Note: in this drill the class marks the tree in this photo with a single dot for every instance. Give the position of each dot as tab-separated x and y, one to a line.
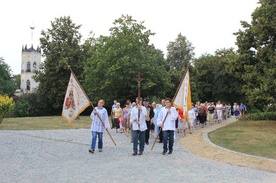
216	78
7	83
116	59
179	57
257	57
61	47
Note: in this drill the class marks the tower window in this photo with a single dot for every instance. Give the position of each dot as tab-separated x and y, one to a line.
28	67
34	65
28	85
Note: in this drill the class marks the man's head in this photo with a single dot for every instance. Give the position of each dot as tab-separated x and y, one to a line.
139	100
101	103
146	102
163	102
168	102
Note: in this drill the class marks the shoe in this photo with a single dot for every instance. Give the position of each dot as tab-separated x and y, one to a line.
140	153
160	141
134	154
91	151
147	143
170	152
100	150
164	152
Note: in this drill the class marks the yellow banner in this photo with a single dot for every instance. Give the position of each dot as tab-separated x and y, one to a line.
183	98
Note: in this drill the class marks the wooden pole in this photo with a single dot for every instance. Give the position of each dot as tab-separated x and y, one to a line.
159	131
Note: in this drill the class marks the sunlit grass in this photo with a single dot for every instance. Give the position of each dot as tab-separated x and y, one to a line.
43	123
250	137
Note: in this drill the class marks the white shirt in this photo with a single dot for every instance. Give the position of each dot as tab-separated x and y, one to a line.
96	124
191	114
134	116
169	123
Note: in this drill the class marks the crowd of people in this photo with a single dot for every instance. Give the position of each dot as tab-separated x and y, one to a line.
142	119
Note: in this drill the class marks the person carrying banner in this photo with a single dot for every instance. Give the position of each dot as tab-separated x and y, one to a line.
166	120
97	128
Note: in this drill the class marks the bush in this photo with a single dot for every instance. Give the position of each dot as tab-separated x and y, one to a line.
6	106
261	116
28	106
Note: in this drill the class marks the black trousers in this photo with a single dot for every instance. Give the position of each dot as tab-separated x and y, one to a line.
160	135
147	132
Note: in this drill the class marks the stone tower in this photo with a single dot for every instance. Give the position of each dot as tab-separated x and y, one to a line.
30	61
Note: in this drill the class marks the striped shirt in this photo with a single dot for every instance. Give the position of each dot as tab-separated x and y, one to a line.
96	125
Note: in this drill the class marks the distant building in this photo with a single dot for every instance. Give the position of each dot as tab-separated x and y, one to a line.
30	62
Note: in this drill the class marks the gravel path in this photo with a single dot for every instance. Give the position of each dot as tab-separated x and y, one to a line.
62	156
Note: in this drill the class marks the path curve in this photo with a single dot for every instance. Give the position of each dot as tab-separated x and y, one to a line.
202	146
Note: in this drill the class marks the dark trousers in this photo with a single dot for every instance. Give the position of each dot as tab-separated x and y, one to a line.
160	135
168	134
138	136
147	132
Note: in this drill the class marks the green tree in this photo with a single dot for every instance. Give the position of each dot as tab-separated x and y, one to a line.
61	47
257	57
180	55
7	83
116	59
216	78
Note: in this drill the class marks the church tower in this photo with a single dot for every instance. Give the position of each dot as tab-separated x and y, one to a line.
30	62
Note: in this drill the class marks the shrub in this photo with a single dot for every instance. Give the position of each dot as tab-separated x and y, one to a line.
261	116
6	106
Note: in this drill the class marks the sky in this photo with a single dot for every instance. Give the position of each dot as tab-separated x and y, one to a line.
207	24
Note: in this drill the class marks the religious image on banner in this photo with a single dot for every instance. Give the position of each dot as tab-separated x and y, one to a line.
75	101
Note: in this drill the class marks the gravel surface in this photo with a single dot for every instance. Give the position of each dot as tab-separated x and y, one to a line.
62	156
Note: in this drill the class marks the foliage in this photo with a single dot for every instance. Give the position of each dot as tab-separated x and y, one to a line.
6	106
115	61
179	57
261	116
7	83
257	56
61	47
28	105
216	78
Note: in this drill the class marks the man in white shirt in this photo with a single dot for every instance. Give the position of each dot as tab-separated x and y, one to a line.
166	120
99	123
139	126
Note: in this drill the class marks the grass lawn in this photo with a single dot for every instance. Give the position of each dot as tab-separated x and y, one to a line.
250	137
43	123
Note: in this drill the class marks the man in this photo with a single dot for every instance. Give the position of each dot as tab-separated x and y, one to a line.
157	113
150	115
98	115
166	120
139	126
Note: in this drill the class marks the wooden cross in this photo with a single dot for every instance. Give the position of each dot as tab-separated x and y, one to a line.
139	79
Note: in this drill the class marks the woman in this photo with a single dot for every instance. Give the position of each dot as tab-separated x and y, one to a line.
236	110
118	112
202	115
211	111
126	123
219	111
